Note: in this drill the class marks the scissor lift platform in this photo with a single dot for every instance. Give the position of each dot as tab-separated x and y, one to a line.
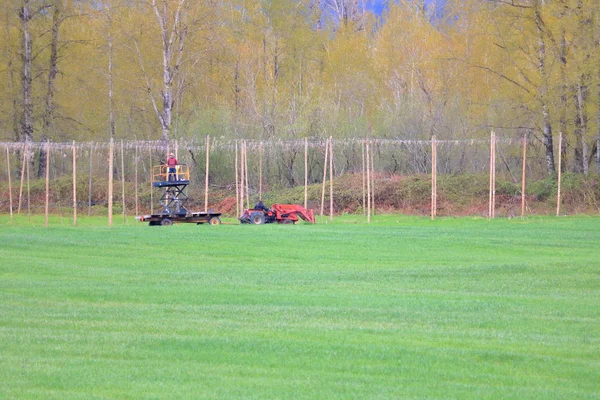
173	183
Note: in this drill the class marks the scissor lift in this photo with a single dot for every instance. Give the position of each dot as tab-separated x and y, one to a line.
174	198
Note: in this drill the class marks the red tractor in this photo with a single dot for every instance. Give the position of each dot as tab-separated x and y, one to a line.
279	213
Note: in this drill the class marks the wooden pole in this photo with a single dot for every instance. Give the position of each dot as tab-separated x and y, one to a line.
237	183
368	183
110	181
123	181
560	139
494	178
305	172
206	175
492	167
74	184
246	175
372	183
135	166
260	170
364	183
10	198
330	178
46	209
324	176
23	167
242	177
28	191
151	186
523	174
433	177
90	180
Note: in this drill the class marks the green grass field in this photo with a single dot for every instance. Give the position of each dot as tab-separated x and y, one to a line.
401	308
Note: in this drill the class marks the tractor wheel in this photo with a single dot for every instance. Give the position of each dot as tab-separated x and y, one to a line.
214	221
166	222
287	222
257	218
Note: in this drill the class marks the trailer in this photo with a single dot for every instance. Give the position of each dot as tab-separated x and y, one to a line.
198	218
173	181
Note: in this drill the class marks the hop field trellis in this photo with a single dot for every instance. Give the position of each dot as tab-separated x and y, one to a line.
78	173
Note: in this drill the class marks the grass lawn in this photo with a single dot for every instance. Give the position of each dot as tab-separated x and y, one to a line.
401	308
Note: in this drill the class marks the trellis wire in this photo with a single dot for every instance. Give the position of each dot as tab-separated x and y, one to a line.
386	156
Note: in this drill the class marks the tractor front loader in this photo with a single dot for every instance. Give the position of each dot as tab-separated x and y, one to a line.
278	213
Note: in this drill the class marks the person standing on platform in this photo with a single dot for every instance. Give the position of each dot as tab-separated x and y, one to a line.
172	164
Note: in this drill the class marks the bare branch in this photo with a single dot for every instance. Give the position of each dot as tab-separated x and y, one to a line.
148	87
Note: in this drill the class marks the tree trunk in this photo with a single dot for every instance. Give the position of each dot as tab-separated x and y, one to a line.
564	87
598	128
596	33
580	128
26	77
48	117
111	113
236	79
169	36
11	79
546	120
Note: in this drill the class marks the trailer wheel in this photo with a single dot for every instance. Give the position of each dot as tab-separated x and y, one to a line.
166	222
214	221
257	218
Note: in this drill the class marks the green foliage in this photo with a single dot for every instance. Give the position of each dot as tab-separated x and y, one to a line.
508	188
543	189
287	69
581	190
413	191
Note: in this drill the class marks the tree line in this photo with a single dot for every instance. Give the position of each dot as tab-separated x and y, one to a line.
288	69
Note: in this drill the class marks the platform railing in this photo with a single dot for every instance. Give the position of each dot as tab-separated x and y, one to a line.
160	173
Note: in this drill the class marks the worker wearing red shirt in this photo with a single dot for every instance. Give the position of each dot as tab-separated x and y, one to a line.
172	164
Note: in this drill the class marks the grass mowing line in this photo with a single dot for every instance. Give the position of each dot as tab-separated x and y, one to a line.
407	308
